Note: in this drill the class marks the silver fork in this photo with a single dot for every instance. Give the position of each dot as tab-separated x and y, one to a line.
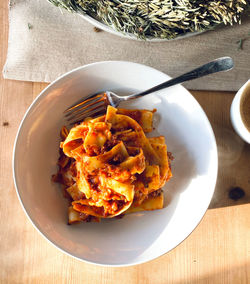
94	105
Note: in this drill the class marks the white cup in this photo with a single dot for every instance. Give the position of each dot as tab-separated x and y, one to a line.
235	113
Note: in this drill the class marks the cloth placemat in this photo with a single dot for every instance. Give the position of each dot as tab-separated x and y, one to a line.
45	42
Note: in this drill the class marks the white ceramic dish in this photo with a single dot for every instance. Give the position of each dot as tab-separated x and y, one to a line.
138	237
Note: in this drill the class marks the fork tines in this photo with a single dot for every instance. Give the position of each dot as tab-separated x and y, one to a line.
91	106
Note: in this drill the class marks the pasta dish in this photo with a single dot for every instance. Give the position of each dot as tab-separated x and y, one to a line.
108	167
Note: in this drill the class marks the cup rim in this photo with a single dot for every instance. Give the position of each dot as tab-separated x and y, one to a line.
235	115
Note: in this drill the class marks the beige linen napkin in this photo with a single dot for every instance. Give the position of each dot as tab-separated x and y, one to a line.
45	42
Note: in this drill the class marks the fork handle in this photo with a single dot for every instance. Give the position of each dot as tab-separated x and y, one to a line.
217	65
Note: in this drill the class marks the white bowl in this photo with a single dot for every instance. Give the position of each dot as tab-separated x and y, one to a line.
138	237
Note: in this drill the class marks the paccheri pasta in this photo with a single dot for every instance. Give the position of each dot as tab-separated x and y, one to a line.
108	167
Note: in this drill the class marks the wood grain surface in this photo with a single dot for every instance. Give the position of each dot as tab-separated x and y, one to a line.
218	251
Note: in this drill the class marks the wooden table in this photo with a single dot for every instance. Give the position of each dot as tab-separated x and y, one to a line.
218	251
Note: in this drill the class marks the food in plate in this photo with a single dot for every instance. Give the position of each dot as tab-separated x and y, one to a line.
108	166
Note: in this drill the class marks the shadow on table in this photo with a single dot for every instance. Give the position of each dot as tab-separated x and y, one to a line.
233	182
233	152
